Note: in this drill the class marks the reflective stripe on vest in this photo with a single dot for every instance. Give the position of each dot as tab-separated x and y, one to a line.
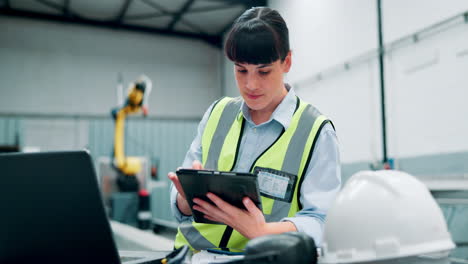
293	160
218	127
289	153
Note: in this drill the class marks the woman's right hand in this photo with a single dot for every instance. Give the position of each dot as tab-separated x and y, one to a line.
182	203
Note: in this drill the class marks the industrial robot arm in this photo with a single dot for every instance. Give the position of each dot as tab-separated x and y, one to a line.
136	101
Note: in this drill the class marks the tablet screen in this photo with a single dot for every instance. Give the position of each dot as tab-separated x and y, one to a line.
232	187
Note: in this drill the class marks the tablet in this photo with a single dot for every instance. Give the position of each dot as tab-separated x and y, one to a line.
229	186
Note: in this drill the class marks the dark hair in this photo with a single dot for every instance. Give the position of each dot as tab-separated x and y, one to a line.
258	36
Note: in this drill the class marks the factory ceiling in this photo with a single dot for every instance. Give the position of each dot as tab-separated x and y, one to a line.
206	20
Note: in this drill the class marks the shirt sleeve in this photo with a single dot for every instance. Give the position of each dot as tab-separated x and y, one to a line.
320	186
194	153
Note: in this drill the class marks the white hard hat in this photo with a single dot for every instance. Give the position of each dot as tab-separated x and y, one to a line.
382	215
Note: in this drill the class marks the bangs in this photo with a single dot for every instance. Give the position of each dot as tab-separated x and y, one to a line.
252	46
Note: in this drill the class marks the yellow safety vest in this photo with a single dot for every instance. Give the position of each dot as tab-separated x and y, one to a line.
290	153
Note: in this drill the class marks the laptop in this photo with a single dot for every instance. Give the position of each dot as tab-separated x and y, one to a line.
51	211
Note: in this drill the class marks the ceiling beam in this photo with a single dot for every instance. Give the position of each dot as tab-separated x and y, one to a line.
158	7
211	8
246	3
66	8
51	5
123	11
165	12
144	16
252	3
177	16
213	40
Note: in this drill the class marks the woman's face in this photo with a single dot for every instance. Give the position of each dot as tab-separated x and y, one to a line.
261	85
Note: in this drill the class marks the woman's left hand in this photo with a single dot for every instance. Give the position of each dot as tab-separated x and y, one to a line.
250	223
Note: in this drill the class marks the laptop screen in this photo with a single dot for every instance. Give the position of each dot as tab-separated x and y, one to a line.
51	210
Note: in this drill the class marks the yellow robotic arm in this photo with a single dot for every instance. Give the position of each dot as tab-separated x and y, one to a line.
136	101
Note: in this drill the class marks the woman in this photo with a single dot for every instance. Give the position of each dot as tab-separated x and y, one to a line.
270	131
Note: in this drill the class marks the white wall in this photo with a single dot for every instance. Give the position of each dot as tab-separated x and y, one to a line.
425	108
324	33
59	68
55	134
402	17
229	81
427	95
350	100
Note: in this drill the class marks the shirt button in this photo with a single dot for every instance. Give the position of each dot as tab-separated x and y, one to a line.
255	130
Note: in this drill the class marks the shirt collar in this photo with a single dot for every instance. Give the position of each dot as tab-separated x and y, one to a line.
283	112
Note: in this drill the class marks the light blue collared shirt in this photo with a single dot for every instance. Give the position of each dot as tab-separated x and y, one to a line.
322	180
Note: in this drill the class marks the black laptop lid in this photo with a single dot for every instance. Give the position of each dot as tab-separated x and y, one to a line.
51	210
